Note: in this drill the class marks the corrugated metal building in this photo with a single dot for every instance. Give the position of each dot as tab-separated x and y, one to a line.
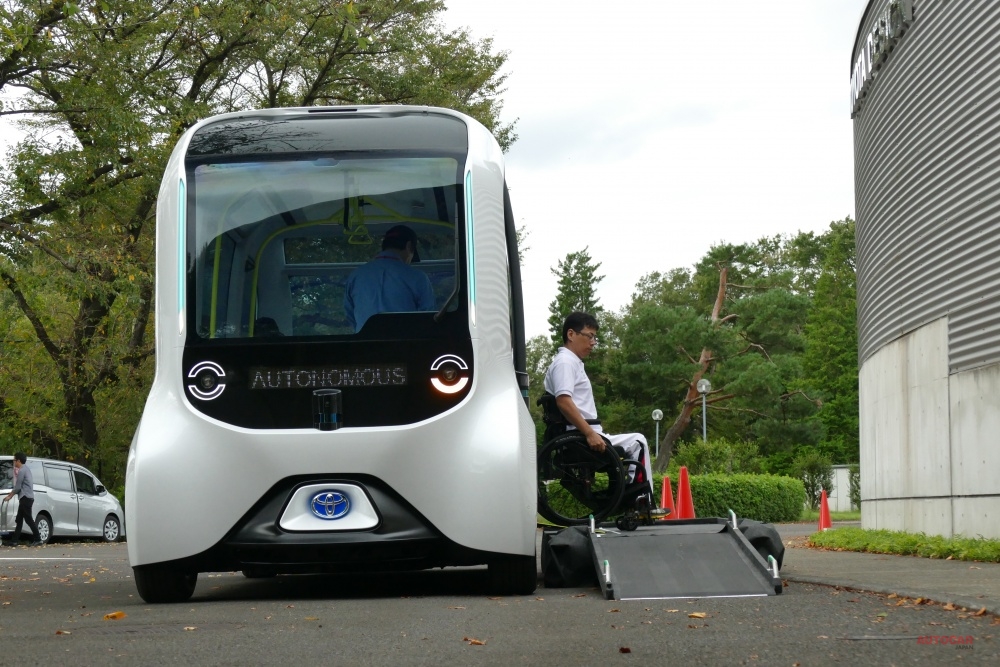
925	99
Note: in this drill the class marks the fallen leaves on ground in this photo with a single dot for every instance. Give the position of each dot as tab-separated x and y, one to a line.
697	614
189	628
114	616
624	649
63	632
474	642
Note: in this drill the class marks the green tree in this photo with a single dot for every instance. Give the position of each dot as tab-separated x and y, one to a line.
738	320
577	290
101	92
830	360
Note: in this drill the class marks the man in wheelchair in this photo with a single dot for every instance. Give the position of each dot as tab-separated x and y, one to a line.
569	395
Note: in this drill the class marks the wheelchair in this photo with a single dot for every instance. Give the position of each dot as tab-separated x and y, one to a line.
576	482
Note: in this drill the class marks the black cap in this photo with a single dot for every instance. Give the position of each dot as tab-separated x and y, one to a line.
397	237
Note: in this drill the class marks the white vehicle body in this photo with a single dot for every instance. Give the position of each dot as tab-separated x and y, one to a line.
69	502
437	472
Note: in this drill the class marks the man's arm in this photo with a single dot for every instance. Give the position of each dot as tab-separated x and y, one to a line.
573	416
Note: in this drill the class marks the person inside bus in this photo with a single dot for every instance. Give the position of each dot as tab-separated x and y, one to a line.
388	283
567	380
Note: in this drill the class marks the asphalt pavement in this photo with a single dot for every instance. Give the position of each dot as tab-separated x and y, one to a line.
966	584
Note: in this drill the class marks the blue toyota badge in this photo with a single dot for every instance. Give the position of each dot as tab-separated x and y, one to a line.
330	505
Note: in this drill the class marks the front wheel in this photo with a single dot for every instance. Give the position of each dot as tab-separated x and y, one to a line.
160	584
112	529
44	525
513	575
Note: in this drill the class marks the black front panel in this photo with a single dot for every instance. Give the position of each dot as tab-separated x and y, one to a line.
269	383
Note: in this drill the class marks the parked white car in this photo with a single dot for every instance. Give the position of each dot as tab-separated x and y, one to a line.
69	502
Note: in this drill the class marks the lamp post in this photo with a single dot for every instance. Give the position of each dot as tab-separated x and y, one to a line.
704	386
657	416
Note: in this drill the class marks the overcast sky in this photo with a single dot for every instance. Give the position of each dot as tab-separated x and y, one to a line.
651	129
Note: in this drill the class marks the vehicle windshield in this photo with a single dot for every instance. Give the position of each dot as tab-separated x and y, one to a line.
6	474
276	237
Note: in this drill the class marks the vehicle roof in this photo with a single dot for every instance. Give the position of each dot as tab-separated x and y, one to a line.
4	457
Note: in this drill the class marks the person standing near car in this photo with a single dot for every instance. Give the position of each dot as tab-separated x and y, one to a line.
24	489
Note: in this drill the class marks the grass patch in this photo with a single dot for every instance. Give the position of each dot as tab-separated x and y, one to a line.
813	515
849	538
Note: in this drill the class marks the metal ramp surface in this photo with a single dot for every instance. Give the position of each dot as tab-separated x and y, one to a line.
690	558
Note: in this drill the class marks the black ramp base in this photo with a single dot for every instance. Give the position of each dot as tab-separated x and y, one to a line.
700	558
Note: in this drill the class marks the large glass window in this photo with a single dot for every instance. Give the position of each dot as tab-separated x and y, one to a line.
84	483
7	474
275	239
60	478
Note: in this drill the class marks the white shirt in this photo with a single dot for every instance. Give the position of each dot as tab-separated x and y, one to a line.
567	377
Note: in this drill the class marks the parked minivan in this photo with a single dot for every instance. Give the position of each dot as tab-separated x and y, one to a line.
69	502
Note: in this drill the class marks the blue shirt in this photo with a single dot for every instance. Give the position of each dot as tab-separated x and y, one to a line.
23	487
386	284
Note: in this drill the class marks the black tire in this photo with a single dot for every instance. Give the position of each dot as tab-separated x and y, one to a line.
513	575
158	584
575	482
44	525
112	529
627	522
765	539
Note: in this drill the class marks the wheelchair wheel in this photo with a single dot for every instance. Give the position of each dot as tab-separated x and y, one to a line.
575	481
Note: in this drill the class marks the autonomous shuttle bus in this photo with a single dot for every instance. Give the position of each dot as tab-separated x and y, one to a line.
278	437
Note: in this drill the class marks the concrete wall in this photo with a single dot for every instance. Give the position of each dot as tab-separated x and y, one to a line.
840	498
929	460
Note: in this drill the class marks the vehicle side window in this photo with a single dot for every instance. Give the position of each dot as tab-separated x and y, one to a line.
37	471
6	474
84	483
59	478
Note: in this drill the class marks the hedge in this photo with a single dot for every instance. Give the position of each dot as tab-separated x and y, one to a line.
767	498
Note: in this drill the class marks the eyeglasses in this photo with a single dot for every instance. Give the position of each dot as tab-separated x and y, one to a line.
589	336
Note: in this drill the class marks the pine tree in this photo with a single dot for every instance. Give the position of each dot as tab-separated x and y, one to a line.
578	280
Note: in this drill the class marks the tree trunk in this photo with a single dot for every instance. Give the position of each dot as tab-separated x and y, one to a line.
691	399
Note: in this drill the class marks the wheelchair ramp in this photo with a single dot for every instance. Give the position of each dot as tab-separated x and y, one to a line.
692	558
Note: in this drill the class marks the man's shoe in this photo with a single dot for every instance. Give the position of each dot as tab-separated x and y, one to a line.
37	543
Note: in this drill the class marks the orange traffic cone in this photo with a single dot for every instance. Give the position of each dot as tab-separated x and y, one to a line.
685	504
824	512
667	498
